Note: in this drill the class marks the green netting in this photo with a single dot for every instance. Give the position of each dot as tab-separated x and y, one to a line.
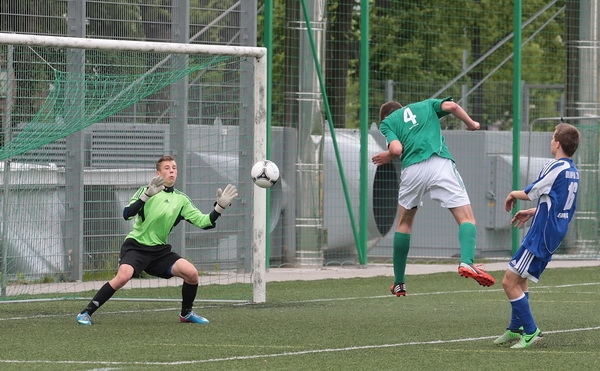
61	199
100	95
416	50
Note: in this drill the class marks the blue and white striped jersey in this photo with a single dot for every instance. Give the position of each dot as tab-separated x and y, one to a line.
556	192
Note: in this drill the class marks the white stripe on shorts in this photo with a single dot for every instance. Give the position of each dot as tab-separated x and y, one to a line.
521	266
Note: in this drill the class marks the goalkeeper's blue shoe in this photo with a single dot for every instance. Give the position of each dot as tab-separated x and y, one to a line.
193	318
84	319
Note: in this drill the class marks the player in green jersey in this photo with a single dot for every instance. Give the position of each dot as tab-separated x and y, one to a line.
157	208
414	134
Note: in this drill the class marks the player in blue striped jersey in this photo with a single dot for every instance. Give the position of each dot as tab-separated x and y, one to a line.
555	190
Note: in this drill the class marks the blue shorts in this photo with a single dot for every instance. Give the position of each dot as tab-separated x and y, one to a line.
526	265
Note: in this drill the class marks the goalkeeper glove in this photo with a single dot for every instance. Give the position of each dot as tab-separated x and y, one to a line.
156	185
225	197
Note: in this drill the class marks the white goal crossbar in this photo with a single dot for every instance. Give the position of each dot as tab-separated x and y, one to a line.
259	228
130	45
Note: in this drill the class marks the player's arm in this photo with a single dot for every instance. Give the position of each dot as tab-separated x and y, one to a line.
512	198
155	186
132	209
522	216
224	198
192	215
457	111
394	151
395	147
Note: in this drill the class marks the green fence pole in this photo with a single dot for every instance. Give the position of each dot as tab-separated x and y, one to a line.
516	115
268	36
364	130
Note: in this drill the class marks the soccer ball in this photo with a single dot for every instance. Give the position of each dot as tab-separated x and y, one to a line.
265	173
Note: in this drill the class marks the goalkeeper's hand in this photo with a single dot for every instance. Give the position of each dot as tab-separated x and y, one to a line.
156	185
225	197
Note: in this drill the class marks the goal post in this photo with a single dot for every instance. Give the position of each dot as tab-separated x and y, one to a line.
121	106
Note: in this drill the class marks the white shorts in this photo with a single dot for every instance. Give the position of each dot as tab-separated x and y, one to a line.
438	177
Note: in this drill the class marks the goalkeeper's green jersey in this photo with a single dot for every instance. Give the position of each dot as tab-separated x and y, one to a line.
417	126
158	216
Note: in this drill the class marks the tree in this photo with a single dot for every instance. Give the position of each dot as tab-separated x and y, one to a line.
420	46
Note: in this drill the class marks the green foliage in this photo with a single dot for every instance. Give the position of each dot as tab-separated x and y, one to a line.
115	19
104	269
421	46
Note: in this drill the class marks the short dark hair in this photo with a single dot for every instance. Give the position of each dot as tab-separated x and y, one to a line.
387	108
163	159
568	137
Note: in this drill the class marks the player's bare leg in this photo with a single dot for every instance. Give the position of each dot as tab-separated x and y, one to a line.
188	272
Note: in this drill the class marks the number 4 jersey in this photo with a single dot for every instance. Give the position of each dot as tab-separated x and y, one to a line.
417	126
556	192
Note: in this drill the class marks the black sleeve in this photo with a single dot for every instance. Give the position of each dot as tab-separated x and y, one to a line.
133	209
213	216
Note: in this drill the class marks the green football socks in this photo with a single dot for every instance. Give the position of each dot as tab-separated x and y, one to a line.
401	247
467	234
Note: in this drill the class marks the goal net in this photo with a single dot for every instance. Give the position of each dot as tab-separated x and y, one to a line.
84	122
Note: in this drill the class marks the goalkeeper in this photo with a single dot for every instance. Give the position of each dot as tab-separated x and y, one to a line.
157	208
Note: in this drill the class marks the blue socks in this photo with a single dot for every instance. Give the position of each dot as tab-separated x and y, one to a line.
521	315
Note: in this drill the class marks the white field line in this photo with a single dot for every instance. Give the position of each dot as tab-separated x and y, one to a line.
276	275
288	354
283	354
310	300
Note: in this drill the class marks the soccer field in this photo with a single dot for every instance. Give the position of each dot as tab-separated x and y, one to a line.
445	323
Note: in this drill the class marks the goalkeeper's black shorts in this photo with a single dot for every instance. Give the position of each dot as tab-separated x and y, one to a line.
155	260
